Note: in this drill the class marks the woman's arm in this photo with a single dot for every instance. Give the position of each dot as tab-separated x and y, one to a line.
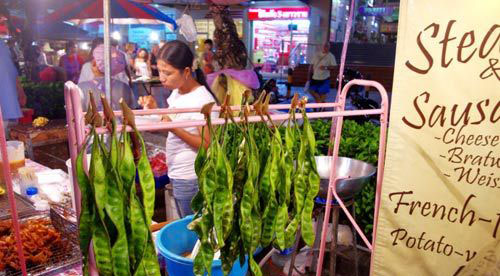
193	140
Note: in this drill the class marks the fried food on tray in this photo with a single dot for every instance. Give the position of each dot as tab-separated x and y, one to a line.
40	241
5	226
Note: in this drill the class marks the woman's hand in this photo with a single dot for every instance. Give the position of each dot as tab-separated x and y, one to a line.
147	102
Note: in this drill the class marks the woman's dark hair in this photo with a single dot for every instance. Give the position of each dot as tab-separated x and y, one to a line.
70	45
179	55
96	42
145	50
208	41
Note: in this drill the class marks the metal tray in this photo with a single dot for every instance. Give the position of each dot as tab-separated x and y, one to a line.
64	221
24	207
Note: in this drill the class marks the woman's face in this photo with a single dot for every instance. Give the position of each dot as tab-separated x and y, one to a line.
142	54
71	49
170	77
208	47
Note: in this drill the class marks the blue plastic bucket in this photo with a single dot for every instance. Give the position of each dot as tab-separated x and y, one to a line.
175	239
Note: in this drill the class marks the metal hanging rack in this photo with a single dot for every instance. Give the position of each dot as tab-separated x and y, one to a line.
77	132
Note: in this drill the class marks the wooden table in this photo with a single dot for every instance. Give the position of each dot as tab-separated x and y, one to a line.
54	132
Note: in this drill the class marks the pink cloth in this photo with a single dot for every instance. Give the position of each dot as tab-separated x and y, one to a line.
117	60
246	77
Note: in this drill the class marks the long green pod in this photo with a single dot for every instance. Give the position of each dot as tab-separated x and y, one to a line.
268	203
291	230
126	166
101	235
149	264
147	181
246	205
246	222
287	165
85	222
281	220
199	163
136	223
115	211
203	261
228	205
312	180
102	247
97	177
221	191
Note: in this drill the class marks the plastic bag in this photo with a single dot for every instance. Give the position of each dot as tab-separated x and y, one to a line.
187	27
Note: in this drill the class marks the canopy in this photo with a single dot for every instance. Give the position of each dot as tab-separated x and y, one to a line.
61	31
122	12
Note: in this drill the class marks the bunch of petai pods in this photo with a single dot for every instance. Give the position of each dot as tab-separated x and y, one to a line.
254	189
114	219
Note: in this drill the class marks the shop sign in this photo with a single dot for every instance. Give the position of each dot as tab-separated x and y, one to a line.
283	13
440	211
377	11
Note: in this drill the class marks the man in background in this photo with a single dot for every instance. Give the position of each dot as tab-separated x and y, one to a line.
322	63
12	96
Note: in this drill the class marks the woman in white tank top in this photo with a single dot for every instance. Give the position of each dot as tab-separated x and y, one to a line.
175	61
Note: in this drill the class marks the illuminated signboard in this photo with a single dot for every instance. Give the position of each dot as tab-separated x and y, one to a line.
284	13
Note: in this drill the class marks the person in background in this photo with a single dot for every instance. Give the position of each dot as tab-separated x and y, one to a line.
142	64
12	97
126	75
208	57
289	83
175	62
42	57
155	49
96	85
48	75
321	65
71	62
271	88
130	51
86	73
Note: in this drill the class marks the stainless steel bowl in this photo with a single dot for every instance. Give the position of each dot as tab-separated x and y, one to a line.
356	173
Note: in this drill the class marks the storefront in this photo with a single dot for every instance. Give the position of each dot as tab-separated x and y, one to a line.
374	21
275	32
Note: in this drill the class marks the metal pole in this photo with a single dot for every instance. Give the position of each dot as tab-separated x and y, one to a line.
5	167
107	48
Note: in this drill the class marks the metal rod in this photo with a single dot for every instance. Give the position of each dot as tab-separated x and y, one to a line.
296	250
355	241
332	189
383	111
268	255
317	240
341	69
76	119
384	121
12	198
277	117
107	47
161	111
333	244
73	149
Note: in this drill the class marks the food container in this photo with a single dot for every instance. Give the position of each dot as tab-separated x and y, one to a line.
15	154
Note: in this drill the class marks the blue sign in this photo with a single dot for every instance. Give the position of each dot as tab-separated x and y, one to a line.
376	11
145	35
